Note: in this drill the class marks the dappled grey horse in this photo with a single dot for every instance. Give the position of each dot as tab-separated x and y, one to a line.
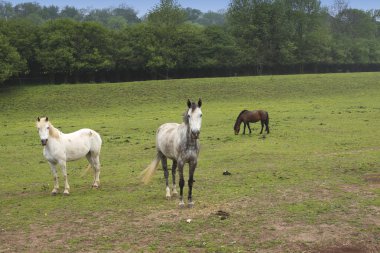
180	143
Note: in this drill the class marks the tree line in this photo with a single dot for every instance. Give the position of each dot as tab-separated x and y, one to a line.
49	44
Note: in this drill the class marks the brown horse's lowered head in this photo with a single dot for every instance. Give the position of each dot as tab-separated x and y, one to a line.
237	129
238	122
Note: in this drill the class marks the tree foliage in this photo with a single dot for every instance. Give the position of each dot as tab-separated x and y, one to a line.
251	36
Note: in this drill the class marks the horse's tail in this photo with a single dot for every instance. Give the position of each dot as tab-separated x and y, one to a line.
147	174
85	171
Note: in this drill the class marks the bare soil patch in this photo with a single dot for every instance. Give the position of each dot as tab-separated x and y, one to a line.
372	178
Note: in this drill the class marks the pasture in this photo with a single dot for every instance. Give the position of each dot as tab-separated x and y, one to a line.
311	185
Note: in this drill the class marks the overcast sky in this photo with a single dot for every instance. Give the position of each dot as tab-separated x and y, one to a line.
142	6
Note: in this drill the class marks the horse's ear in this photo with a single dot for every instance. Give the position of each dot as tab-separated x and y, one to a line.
46	119
38	119
189	103
199	102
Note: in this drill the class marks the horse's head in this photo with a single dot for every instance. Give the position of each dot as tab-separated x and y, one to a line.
43	127
237	129
194	118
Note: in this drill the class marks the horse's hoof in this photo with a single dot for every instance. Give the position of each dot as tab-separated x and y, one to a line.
168	197
190	204
53	193
95	186
181	204
66	193
174	194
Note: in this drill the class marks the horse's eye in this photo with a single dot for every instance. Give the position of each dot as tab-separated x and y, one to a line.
200	116
48	128
188	116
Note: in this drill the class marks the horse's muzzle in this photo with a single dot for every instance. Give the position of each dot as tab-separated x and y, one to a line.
195	135
44	142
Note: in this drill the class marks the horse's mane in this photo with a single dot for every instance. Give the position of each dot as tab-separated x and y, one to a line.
53	132
236	122
193	107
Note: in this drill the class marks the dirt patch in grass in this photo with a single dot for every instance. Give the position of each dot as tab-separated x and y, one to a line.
372	178
254	222
342	249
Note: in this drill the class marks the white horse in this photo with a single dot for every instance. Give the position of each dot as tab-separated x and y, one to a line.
179	142
60	148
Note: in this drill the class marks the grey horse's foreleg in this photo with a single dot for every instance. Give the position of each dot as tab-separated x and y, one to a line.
174	168
181	183
192	166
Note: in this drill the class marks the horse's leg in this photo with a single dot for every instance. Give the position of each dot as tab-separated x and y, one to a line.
64	172
249	128
181	183
262	126
267	126
55	176
96	167
174	168
192	166
244	127
93	159
164	162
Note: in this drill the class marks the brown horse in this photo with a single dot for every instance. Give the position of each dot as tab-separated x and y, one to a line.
246	116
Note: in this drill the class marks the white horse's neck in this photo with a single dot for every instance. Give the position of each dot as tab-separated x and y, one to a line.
54	132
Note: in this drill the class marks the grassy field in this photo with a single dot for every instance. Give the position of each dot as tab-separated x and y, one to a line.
311	185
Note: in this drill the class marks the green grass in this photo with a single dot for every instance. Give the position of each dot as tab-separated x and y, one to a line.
303	187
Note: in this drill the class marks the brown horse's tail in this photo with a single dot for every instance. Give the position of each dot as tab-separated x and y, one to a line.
147	174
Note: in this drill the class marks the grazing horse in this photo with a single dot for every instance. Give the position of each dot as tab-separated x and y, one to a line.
60	148
246	116
180	143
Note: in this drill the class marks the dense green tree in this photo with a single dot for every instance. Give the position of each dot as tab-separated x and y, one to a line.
211	18
263	31
192	15
49	12
72	13
91	46
26	9
56	51
254	35
6	10
164	21
355	23
311	33
219	49
11	63
24	36
127	13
